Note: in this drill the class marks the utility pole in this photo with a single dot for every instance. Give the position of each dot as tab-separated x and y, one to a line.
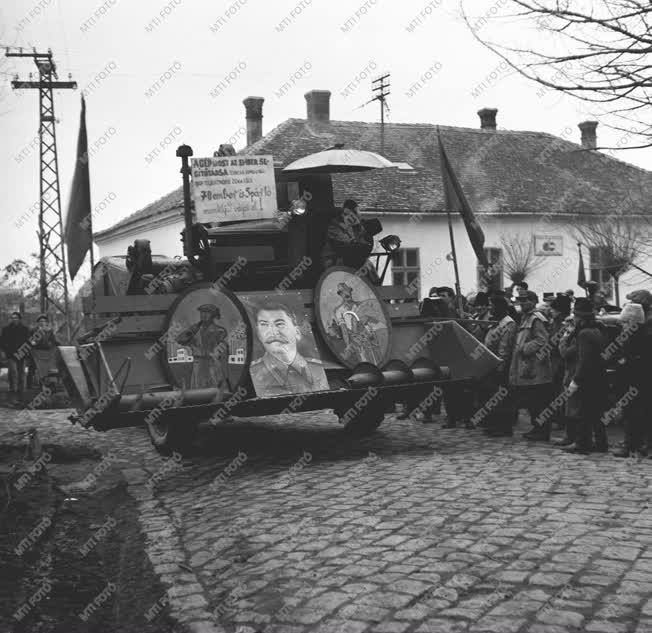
53	276
378	87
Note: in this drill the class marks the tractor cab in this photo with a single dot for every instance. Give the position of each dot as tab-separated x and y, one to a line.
266	250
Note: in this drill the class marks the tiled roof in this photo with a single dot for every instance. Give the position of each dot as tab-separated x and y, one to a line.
501	171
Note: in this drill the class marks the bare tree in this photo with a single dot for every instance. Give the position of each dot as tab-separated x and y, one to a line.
23	276
519	259
621	243
598	51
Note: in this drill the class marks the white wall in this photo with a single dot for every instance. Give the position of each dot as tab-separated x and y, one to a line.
165	240
430	235
555	274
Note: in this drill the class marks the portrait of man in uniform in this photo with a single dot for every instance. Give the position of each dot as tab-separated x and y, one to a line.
208	341
282	369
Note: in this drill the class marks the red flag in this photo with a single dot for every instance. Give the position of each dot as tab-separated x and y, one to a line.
581	275
456	201
78	233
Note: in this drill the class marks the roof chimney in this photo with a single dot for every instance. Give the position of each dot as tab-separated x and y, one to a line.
589	137
254	115
488	118
318	106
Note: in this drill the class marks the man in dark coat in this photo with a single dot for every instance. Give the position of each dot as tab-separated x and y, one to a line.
560	308
589	383
637	352
498	410
14	341
347	241
457	399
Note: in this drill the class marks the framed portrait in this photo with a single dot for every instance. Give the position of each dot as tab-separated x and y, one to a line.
352	317
207	340
547	245
285	358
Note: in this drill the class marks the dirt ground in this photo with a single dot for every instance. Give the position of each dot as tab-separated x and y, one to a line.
50	575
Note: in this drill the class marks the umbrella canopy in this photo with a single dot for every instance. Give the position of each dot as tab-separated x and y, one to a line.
339	160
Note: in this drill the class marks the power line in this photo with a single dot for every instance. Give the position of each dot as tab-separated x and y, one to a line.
380	90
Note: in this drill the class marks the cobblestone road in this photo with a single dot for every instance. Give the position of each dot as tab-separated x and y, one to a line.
283	524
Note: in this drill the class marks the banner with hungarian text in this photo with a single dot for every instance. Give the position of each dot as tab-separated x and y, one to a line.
229	188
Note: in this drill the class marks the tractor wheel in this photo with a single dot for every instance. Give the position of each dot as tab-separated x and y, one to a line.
169	435
364	422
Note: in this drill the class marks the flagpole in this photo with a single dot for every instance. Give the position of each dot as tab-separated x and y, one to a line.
581	266
90	233
458	291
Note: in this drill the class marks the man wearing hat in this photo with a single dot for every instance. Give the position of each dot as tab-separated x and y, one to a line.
14	340
530	372
560	308
589	384
208	342
282	369
637	352
347	241
353	322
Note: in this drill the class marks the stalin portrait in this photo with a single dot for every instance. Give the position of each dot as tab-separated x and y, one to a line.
282	369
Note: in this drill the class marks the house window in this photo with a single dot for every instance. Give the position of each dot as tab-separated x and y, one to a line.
598	258
491	279
406	269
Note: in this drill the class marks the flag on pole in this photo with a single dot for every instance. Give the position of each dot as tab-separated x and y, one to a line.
581	275
456	201
78	233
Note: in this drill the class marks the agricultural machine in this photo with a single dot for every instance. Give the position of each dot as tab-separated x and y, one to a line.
251	322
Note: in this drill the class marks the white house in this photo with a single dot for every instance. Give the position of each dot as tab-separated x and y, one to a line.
522	186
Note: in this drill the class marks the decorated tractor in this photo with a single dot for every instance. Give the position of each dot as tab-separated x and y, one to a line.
253	321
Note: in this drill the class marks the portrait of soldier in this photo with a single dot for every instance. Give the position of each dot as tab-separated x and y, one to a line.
208	342
353	322
282	369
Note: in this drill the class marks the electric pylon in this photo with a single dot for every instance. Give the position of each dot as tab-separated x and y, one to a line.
53	276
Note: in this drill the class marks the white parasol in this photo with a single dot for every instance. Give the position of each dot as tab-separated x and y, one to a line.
339	160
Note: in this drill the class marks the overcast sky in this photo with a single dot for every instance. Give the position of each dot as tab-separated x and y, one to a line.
118	50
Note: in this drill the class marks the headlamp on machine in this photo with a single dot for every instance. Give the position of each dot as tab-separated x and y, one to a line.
391	243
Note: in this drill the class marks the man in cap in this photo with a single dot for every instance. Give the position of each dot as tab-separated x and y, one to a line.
591	287
208	342
447	295
44	339
281	369
638	380
530	371
589	383
560	308
14	340
43	336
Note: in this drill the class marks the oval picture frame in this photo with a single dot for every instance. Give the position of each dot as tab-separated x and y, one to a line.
202	369
362	333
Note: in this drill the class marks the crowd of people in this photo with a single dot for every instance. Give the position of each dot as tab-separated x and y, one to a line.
559	360
17	340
